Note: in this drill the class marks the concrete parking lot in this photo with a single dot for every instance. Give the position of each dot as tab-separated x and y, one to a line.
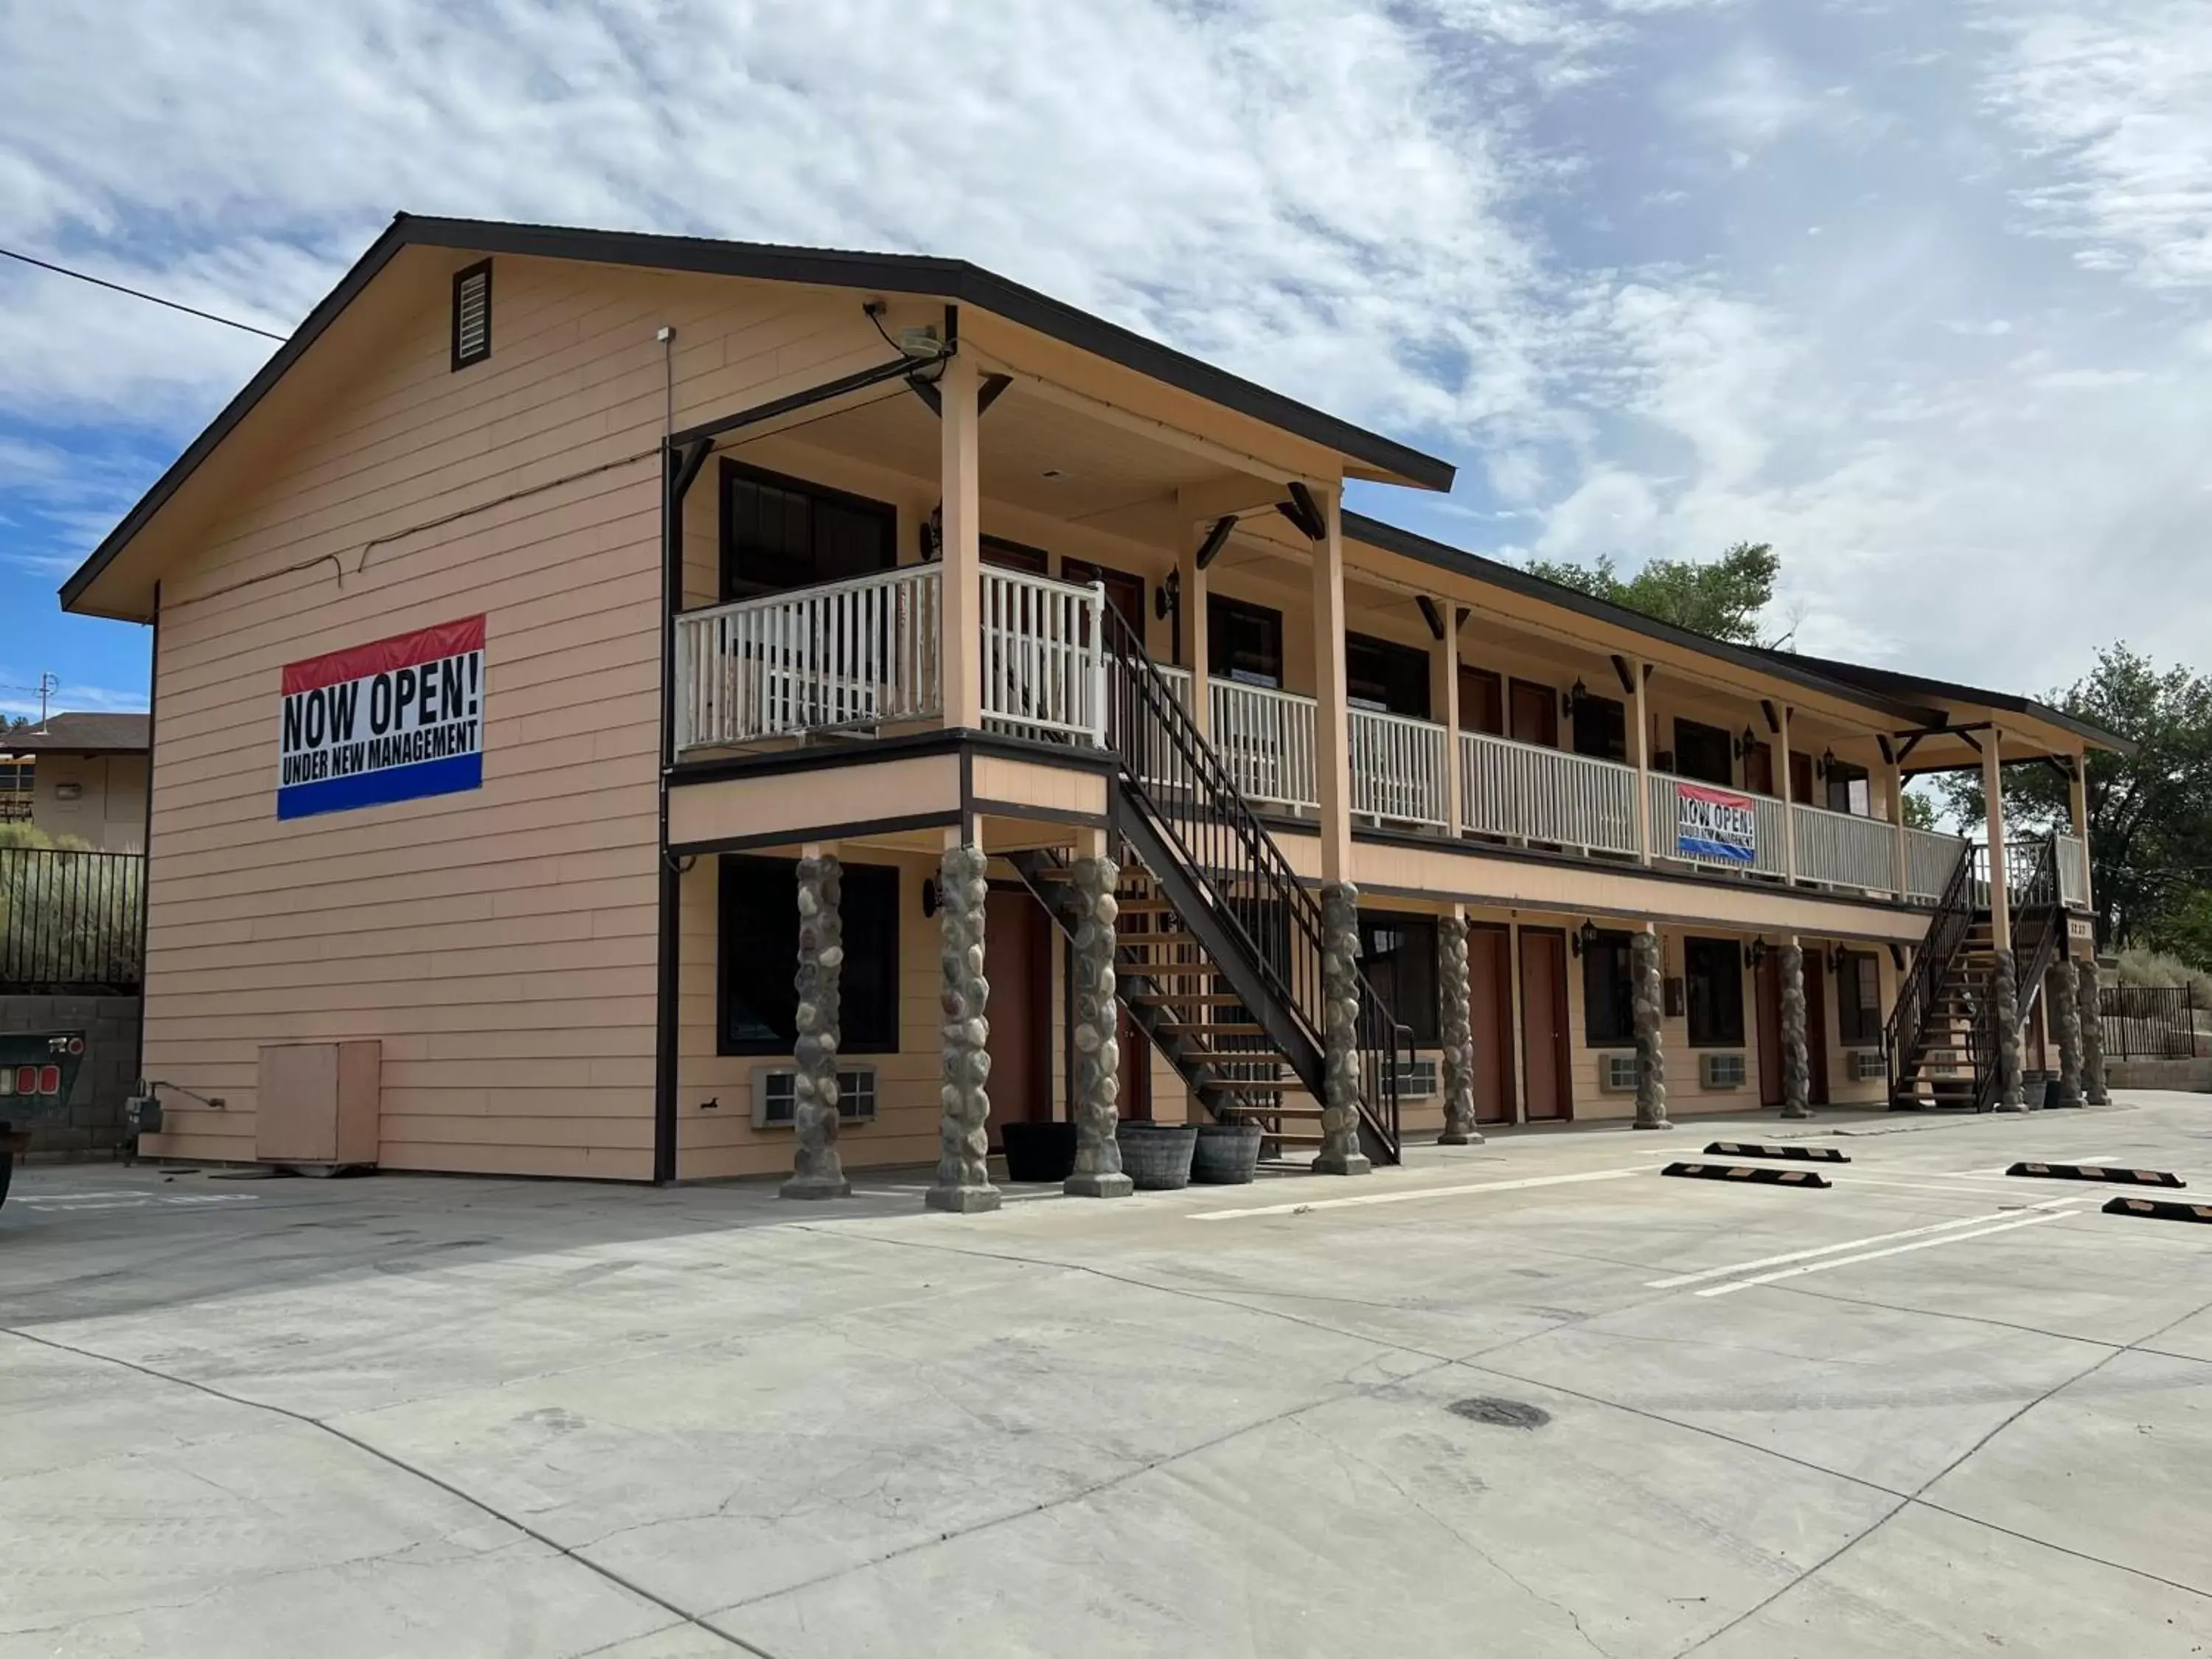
1526	1398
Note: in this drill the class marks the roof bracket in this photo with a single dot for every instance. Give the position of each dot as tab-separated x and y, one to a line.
1431	615
683	468
1304	512
1216	539
1773	720
1624	673
1882	744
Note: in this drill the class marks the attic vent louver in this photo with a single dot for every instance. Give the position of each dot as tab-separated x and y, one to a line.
472	314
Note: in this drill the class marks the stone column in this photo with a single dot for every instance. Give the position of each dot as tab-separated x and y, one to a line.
964	1178
1797	1062
1647	1003
1094	1102
2004	996
1458	1034
1339	971
2058	991
2090	1006
817	1172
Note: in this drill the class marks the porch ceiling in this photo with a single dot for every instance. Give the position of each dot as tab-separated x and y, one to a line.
1036	454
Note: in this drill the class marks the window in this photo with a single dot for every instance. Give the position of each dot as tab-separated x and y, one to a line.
1714	969
1847	789
472	314
1704	752
1243	642
1398	954
1608	1014
1391	678
780	533
1858	998
759	956
1600	728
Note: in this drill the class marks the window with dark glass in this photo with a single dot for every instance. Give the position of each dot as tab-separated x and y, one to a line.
1392	678
779	534
1243	642
1608	1015
1858	998
1703	752
1847	788
759	955
1600	728
1714	970
1398	953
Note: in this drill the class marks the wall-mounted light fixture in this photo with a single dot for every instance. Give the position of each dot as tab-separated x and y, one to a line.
1569	699
1755	953
1167	597
1837	957
1583	939
1826	764
1747	744
929	896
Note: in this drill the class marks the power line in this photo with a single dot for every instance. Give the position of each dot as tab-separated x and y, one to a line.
140	294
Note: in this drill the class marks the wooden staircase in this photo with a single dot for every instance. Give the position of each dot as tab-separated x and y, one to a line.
1944	1030
1175	993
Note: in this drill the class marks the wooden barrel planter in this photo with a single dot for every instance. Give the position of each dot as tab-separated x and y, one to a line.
1226	1155
1156	1157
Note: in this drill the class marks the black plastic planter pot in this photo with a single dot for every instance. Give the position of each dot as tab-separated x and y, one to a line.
1227	1154
1038	1152
1156	1157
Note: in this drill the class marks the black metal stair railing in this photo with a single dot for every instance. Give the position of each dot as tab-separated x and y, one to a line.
1230	879
1931	965
2038	923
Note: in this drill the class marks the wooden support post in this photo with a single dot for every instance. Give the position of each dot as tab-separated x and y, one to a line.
1332	707
1643	716
1444	704
961	604
1993	800
1190	623
1789	805
1902	853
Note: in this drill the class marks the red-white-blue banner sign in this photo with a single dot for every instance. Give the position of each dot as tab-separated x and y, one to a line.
395	720
1717	826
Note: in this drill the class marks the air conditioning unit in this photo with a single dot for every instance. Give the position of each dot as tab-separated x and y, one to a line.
1616	1073
1866	1065
1416	1079
775	1096
1721	1071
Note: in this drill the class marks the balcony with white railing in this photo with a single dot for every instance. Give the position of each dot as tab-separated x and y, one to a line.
1531	794
1266	740
1399	769
2073	872
863	655
1843	849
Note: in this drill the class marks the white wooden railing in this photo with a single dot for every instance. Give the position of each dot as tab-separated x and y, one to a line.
1045	671
2073	872
1930	859
1769	852
1266	740
1529	793
1399	769
862	653
1843	849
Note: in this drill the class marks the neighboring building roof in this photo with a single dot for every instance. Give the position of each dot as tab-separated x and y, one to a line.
83	734
1890	681
955	280
1813	675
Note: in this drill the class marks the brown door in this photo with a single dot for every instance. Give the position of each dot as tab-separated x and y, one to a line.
1536	715
1816	1025
1758	769
1481	701
1800	781
1770	1028
1136	1077
1124	592
1014	555
1544	1023
1490	1019
1017	949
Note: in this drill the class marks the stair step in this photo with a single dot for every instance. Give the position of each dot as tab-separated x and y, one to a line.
1255	1085
1212	1027
1188	999
1141	906
1130	941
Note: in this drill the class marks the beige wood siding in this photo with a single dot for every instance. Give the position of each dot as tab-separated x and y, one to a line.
499	943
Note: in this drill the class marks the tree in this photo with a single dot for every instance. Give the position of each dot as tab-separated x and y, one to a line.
1919	811
1723	599
2150	814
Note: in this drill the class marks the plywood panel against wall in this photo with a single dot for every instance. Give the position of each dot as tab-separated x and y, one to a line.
499	943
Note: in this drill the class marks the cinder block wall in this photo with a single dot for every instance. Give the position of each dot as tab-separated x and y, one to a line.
91	1121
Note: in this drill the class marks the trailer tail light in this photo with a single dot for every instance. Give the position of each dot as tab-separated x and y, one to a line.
50	1079
26	1079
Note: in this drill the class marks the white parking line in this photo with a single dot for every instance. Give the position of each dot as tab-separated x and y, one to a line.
1681	1279
1459	1191
1871	1255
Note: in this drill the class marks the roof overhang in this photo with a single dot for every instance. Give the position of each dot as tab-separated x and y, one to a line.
1366	455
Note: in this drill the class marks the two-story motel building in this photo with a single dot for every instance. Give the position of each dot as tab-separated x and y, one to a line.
552	595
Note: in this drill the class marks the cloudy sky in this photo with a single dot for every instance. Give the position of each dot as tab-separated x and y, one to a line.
1919	290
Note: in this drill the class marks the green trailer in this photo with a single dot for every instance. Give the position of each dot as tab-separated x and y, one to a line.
37	1069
